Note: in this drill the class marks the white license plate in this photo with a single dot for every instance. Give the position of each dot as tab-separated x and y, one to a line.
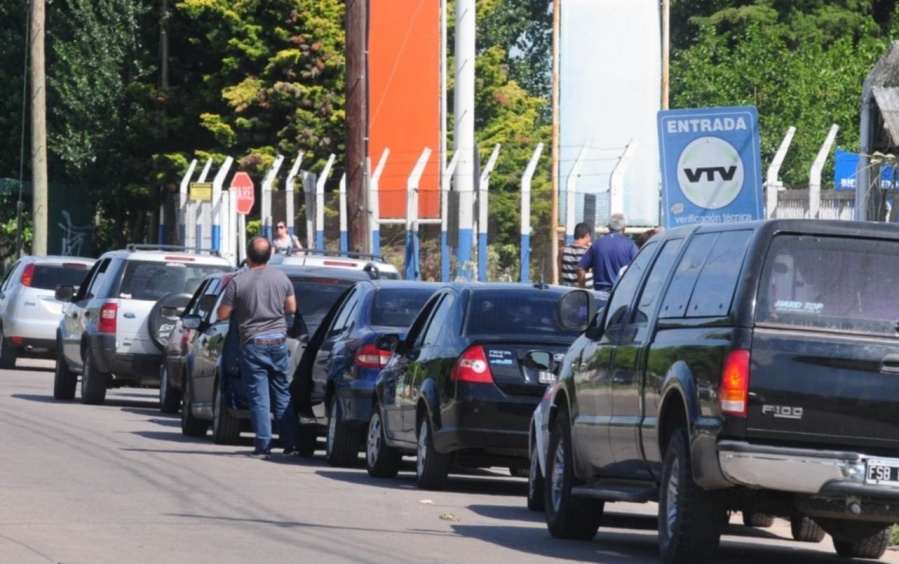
882	471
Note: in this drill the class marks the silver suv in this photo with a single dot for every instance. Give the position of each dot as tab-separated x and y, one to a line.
29	311
374	265
113	331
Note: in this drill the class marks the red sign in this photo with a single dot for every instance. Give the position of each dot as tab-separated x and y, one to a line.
243	192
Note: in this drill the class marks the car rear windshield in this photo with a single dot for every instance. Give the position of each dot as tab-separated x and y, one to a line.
151	280
315	296
831	283
48	276
514	312
397	307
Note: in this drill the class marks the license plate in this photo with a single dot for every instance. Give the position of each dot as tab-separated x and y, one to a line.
882	471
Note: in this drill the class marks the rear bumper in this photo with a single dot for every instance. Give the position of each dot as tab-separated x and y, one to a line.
807	471
131	369
495	426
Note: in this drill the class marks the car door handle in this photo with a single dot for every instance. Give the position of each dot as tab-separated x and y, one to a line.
890	364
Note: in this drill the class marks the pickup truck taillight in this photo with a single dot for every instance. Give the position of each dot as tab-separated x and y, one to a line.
471	366
733	397
107	321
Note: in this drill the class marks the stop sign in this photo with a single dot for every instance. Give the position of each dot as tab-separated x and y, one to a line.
244	195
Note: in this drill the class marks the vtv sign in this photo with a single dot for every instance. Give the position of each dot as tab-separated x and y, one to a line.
711	167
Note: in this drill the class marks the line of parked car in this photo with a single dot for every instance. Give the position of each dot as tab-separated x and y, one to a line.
743	367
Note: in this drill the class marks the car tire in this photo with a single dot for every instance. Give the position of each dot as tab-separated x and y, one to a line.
804	529
567	516
169	397
758	520
8	353
307	441
431	467
381	459
342	440
871	546
536	482
64	380
225	427
191	426
93	382
690	517
160	326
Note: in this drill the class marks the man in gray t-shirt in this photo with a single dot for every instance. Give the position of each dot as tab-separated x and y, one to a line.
259	298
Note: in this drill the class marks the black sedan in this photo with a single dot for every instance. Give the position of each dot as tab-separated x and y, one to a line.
213	393
340	363
462	385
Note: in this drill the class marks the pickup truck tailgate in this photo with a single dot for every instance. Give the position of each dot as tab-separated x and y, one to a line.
829	389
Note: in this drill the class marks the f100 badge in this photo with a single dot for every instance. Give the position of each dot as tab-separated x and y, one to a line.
782	411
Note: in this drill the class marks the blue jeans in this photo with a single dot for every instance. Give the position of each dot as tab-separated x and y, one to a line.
263	369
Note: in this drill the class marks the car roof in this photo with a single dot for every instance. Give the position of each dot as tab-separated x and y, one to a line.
300	271
326	258
388	284
58	259
169	253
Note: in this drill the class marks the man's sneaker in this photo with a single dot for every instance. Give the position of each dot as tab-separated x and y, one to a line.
290	452
262	454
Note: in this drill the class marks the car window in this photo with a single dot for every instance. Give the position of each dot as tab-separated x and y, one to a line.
151	280
676	299
343	317
526	311
435	325
9	276
316	295
48	276
627	285
716	285
397	307
655	279
98	276
830	283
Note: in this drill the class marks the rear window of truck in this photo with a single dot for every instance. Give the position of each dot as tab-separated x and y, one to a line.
831	283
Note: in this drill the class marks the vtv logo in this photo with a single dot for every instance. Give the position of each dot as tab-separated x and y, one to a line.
710	172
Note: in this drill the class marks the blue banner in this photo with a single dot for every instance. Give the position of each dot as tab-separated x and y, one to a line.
845	171
711	165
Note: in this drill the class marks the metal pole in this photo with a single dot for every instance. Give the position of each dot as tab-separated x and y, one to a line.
444	218
266	193
570	193
343	212
814	183
290	187
374	203
525	259
772	183
217	184
320	204
483	212
666	45
412	242
464	136
554	221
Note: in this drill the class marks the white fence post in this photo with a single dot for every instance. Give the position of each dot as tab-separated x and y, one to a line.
773	185
814	185
525	252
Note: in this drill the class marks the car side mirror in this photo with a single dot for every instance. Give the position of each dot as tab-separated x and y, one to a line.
387	342
64	292
191	321
575	310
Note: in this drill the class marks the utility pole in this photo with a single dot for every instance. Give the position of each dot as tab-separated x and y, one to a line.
666	41
357	122
38	130
554	221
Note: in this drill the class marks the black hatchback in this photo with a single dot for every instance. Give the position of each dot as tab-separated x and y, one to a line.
460	388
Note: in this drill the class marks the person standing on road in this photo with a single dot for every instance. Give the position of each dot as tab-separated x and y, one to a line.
571	255
283	241
259	298
607	256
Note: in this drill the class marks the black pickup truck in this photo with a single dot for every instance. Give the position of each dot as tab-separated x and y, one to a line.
746	367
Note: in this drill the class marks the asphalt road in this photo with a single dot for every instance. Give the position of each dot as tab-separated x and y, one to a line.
118	483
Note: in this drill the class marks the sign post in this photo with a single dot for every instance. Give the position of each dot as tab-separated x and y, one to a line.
244	192
711	165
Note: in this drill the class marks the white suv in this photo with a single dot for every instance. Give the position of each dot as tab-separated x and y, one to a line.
114	328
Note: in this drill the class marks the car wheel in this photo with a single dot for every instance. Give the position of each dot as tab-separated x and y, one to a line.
8	353
307	441
190	425
225	427
342	441
535	482
93	382
759	520
567	516
164	315
690	518
871	546
804	529
169	397
64	380
381	460
432	467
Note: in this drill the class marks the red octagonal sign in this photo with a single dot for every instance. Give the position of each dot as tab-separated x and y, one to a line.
243	192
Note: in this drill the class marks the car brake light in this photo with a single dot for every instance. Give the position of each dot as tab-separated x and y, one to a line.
472	366
18	341
340	263
369	356
108	315
733	397
27	275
